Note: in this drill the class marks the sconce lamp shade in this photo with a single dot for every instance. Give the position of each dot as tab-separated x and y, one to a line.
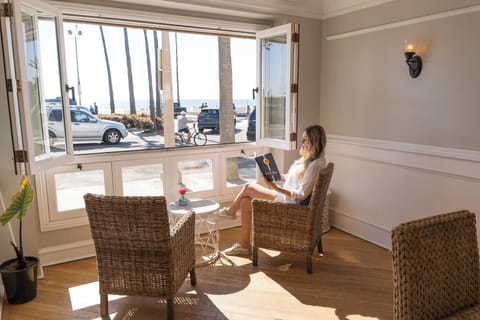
413	60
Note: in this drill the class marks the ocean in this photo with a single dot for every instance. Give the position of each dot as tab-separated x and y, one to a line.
142	106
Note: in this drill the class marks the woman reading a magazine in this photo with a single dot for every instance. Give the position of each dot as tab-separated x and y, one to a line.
296	187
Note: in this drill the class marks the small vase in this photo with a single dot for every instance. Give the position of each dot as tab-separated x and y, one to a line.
182	201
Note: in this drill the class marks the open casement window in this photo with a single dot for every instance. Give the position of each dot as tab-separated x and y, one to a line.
277	74
33	49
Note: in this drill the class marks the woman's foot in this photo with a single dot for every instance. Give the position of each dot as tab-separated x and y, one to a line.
237	250
223	212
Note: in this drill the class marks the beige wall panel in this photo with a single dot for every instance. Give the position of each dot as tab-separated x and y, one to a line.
367	91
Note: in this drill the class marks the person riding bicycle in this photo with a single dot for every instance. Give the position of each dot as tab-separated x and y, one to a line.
183	125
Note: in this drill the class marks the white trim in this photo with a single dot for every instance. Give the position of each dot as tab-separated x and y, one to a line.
66	252
424	157
168	19
364	230
403	23
2	297
384	183
330	12
86	248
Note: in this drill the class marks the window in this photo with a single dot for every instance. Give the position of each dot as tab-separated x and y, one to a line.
278	73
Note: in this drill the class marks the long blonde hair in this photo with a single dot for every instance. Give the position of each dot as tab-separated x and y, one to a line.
318	140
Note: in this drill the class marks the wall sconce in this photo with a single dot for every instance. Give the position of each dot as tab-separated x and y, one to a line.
413	60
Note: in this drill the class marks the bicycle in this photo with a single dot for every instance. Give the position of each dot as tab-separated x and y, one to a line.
199	138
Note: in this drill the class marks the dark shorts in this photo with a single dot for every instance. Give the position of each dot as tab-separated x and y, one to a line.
183	130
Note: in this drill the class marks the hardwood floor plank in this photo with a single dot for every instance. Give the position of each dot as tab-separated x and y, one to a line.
352	280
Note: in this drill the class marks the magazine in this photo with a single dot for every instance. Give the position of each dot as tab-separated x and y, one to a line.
268	166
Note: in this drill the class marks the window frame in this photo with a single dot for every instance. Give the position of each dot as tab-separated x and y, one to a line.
289	140
24	137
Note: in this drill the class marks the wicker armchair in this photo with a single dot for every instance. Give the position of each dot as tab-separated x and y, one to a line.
138	252
291	227
436	268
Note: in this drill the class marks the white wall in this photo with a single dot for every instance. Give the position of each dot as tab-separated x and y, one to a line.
404	148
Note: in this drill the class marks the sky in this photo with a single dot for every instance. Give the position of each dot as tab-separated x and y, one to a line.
197	63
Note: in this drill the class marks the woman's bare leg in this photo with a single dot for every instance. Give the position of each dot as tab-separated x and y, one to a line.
246	209
251	190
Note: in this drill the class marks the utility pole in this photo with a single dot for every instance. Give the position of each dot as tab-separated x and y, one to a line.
76	35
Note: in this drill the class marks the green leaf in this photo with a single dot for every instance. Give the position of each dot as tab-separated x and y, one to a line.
20	203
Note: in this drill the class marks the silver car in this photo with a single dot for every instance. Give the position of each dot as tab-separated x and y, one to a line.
85	126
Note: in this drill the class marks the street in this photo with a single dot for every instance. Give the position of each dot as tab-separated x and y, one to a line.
139	140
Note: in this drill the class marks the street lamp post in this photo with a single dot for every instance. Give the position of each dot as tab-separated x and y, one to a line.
76	35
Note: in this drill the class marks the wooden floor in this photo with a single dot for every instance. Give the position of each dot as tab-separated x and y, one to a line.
352	281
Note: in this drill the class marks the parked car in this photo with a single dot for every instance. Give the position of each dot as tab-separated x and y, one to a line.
209	118
85	126
177	109
252	128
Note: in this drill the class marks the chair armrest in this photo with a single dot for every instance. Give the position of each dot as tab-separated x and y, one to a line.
183	245
278	215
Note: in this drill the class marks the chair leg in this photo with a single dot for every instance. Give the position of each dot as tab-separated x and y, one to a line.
319	246
193	277
104	307
309	264
170	315
254	256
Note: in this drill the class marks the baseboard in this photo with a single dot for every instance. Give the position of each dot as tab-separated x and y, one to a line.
85	249
2	297
66	252
361	229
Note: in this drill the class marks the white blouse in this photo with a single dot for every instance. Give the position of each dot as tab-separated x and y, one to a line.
303	187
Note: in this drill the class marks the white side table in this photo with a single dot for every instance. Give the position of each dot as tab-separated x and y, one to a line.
206	227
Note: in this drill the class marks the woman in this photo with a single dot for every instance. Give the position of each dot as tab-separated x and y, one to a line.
296	188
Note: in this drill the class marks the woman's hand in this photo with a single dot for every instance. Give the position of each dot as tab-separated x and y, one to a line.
270	184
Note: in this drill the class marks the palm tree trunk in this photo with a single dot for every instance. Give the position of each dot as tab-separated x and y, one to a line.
227	128
133	109
150	84
158	97
109	73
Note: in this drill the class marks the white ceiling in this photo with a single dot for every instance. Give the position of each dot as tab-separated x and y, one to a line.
317	9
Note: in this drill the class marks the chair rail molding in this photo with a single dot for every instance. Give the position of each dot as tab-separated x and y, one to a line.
379	184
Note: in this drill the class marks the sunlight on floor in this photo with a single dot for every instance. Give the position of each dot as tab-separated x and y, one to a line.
86	295
231	305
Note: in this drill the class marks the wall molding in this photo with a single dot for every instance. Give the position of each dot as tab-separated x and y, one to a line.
331	11
377	235
379	184
456	162
403	23
66	252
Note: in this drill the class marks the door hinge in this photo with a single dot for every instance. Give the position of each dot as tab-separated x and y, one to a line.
294	88
9	85
295	37
19	86
20	156
293	136
6	9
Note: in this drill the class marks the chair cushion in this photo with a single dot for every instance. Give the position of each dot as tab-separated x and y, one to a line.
306	201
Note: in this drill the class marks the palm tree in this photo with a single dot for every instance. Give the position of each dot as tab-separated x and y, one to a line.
150	88
158	80
109	73
133	109
227	128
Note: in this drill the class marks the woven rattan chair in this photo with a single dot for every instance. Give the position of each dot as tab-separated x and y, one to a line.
436	268
138	252
291	227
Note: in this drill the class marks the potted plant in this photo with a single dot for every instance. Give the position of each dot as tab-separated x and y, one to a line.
19	274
